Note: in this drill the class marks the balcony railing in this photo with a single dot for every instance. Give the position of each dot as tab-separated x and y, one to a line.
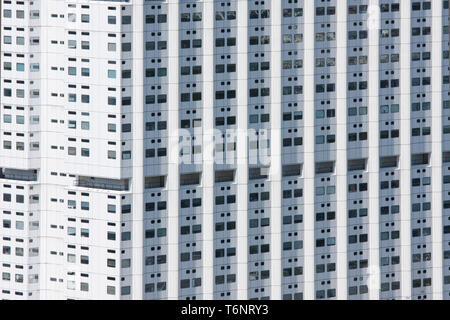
20	177
101	185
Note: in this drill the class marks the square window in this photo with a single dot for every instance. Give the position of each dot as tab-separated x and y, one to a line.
111	46
111	74
85	18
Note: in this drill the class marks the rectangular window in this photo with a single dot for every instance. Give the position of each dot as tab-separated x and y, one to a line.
126	19
111	74
20	67
85	18
111	46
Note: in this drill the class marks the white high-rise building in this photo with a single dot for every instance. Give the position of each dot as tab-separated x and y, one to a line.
225	149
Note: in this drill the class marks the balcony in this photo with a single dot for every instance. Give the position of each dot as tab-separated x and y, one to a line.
101	183
19	175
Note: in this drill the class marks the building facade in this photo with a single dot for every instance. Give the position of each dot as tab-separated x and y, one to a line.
225	149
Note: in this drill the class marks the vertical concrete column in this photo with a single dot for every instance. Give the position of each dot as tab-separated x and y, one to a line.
373	162
405	148
208	150
308	166
275	150
173	170
436	149
242	150
341	150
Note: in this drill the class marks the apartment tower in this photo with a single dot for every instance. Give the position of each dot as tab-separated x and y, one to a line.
225	149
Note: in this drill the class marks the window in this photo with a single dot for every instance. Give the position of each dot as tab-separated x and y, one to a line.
85	98
85	153
70	258
71	231
126	74
84	205
112	101
34	67
111	208
84	233
111	74
162	18
126	19
72	44
72	71
84	286
20	14
111	235
84	125
111	127
126	208
111	46
20	67
20	146
125	263
126	46
19	225
85	18
7	65
20	198
71	151
126	127
185	44
125	236
110	290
